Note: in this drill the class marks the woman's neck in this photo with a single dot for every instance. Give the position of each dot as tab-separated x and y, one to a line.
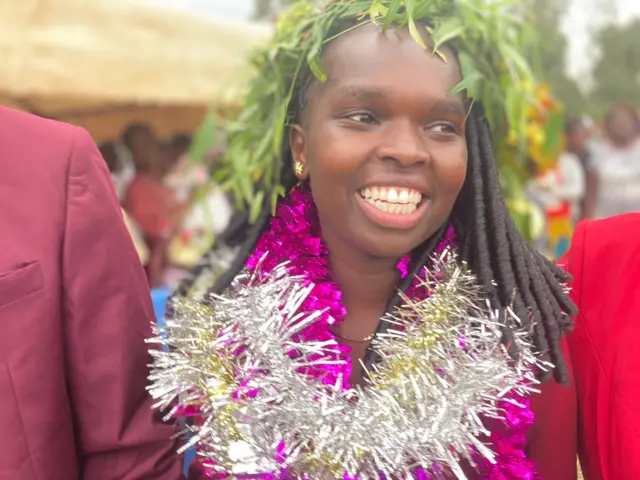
367	283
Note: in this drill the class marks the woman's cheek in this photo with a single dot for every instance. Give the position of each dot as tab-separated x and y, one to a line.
451	169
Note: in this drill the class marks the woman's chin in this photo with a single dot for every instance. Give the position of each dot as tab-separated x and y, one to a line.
386	245
392	244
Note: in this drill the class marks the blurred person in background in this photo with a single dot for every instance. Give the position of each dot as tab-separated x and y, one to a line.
615	164
110	156
122	172
559	191
179	147
578	134
75	311
184	175
152	204
210	211
114	163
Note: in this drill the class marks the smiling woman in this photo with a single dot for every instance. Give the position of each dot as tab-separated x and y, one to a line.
384	119
388	321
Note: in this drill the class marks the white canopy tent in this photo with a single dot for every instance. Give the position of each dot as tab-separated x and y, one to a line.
102	64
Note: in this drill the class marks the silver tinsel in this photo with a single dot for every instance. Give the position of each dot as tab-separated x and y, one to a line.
443	368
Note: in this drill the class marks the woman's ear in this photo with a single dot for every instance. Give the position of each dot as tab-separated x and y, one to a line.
297	142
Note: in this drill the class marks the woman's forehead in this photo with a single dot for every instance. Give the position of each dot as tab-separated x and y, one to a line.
370	65
369	51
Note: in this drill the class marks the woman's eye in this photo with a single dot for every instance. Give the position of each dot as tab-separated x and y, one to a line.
444	128
362	118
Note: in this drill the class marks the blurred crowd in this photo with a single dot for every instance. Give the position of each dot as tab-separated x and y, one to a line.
597	176
172	209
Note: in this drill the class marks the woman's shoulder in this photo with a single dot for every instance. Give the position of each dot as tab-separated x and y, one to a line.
601	252
621	231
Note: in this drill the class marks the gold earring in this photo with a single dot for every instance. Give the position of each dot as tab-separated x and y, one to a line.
299	168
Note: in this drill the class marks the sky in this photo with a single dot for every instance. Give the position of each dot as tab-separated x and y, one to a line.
583	17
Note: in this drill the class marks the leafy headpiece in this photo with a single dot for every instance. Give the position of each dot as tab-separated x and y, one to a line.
490	38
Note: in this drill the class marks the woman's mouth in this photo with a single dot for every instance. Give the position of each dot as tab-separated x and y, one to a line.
393	207
399	201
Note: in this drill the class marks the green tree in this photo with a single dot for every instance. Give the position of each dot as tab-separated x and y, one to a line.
545	17
616	72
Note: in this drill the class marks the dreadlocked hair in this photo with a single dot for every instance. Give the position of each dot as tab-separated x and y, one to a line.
511	273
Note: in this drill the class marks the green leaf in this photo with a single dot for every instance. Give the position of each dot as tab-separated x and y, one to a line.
471	77
413	29
315	64
278	191
314	57
377	10
511	182
257	203
415	33
512	56
553	133
246	186
220	174
279	126
263	148
512	108
204	137
470	83
446	31
489	112
391	13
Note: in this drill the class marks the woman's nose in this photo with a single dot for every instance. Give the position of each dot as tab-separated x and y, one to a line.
405	144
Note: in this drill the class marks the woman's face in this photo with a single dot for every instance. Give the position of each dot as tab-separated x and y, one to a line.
383	142
622	126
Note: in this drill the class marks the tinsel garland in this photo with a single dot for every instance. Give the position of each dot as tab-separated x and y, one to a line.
294	237
267	382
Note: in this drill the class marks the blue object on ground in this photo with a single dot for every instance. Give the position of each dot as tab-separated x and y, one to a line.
189	455
159	296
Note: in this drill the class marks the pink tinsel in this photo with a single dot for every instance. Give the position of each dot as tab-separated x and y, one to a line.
294	236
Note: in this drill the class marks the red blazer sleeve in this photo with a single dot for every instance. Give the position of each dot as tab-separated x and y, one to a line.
107	316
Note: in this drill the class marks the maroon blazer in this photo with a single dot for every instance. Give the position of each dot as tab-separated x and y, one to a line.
74	313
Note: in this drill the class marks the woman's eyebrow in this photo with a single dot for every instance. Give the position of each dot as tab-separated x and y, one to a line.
361	92
451	105
370	93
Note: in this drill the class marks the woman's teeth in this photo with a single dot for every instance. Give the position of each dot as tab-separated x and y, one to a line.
392	200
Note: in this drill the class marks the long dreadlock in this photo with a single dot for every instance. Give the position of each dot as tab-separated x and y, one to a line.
511	273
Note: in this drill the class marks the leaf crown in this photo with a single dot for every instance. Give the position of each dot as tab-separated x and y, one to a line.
490	37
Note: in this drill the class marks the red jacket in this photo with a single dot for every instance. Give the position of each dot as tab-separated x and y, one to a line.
74	313
605	345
